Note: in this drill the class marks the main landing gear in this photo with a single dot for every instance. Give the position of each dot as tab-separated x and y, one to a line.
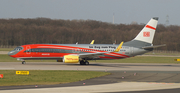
23	62
82	62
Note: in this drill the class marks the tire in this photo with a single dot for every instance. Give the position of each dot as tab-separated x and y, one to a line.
23	62
82	62
86	63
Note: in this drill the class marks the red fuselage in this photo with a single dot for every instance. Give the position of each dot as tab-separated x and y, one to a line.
57	51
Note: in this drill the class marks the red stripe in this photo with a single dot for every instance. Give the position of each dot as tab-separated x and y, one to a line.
119	54
115	56
148	26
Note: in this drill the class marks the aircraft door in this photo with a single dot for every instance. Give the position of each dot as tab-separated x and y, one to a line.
28	50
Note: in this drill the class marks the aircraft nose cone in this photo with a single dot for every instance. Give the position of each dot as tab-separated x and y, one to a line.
11	53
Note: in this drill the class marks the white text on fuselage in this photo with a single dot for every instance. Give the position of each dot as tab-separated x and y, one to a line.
102	47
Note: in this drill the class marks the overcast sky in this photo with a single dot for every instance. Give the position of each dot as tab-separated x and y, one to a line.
125	11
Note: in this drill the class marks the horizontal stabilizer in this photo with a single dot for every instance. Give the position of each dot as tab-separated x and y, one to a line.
156	46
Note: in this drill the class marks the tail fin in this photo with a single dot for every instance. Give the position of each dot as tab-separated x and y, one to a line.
147	33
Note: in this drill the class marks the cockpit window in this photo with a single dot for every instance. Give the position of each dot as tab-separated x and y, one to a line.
18	48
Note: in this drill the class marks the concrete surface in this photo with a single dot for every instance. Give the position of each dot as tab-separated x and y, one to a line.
125	77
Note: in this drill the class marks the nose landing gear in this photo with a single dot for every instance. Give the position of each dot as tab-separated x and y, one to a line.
23	62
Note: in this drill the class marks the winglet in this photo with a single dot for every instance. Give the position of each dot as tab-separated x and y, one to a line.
92	42
119	47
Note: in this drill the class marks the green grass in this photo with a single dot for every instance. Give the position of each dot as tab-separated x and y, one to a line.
6	49
167	53
40	77
142	59
6	58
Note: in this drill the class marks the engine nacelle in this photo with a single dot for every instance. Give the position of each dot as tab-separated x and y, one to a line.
71	59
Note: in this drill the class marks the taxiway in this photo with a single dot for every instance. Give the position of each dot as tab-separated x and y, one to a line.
124	78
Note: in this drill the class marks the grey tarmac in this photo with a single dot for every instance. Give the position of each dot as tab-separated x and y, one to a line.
125	77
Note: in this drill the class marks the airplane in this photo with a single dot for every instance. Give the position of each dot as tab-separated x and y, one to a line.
81	53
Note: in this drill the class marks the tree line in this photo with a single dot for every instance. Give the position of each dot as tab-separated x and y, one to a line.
16	32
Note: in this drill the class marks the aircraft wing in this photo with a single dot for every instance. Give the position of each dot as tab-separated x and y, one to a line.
92	42
92	55
156	46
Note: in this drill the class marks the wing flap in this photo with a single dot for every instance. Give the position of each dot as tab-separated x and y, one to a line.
91	55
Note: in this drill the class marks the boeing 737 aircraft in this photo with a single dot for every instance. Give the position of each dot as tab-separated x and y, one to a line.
81	53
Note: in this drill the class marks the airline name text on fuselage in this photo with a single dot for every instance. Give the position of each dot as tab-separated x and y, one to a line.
100	47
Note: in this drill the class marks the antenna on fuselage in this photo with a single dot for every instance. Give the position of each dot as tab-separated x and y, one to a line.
114	42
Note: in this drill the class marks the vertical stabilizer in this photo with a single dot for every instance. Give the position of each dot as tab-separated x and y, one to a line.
147	33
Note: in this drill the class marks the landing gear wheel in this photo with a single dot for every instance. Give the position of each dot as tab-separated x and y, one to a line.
23	62
86	63
81	62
